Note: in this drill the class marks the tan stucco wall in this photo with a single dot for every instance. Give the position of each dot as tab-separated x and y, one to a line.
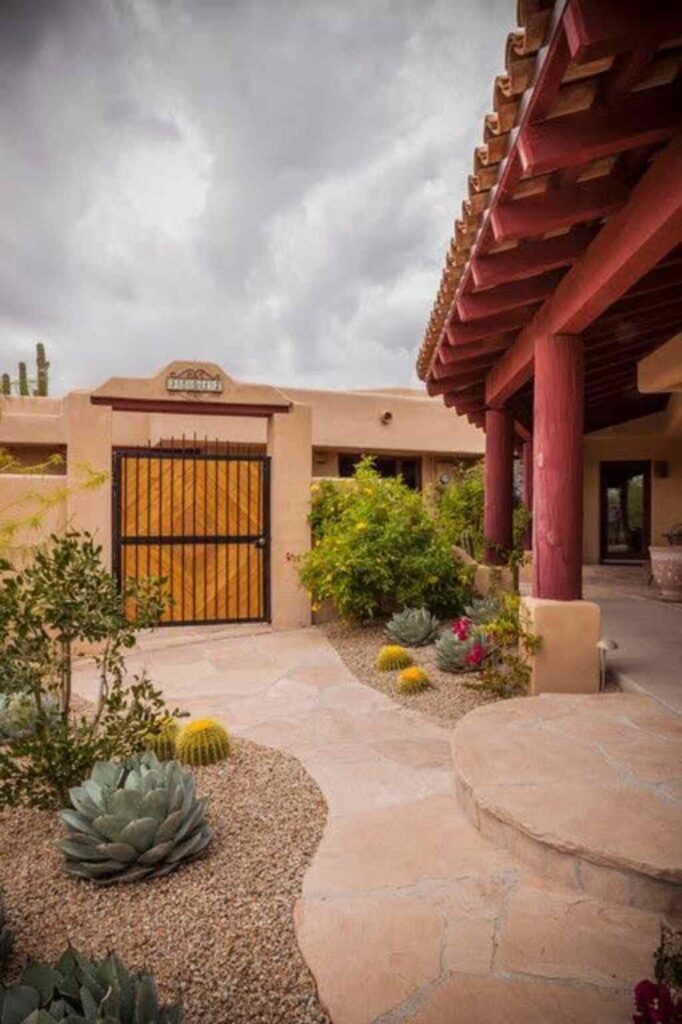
645	439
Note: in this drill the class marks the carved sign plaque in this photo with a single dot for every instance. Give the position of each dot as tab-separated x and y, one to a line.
194	380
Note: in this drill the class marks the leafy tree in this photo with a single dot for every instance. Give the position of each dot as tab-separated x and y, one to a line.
65	597
461	509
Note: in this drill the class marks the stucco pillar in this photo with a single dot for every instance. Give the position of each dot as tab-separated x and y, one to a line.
527	485
88	430
569	628
499	484
290	449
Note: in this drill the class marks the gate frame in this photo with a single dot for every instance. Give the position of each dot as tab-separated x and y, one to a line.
117	542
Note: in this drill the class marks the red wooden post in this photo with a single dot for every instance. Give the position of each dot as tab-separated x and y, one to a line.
499	484
527	483
558	467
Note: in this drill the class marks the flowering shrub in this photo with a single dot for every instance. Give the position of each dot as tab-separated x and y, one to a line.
660	1001
378	548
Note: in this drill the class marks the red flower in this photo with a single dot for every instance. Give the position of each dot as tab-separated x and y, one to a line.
475	655
654	1004
460	628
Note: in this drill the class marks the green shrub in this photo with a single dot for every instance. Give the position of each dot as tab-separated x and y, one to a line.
393	657
78	989
506	670
132	820
65	597
19	714
414	627
460	508
378	548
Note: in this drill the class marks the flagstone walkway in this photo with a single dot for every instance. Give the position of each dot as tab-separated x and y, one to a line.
409	915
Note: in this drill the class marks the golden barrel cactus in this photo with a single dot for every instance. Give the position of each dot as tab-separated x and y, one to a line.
392	658
412	680
202	742
163	741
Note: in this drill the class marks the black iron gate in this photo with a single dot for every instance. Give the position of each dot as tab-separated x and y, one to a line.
200	518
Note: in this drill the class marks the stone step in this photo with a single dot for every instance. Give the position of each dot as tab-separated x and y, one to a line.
586	790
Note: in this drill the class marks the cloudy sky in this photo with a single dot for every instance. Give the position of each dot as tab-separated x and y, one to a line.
269	184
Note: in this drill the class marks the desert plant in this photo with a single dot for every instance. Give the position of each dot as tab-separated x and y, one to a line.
202	742
506	669
42	367
458	652
379	549
6	385
6	937
163	742
65	596
484	609
79	990
413	627
132	820
23	380
461	508
393	657
412	680
19	714
674	535
660	1001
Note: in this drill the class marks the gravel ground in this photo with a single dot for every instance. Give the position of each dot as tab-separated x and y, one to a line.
447	698
219	932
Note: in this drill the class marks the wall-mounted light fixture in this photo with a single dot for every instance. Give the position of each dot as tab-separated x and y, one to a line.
386	418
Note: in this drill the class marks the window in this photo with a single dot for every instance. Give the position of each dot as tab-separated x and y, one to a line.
386	466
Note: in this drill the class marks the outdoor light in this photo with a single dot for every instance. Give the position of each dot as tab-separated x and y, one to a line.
386	418
603	646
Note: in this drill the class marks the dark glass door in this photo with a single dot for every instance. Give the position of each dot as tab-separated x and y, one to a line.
625	511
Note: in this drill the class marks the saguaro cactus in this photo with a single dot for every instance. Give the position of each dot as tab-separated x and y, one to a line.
23	380
6	386
42	367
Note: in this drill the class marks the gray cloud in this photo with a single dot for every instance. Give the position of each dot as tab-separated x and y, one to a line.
269	184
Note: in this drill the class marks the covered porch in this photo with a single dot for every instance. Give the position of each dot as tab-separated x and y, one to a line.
556	327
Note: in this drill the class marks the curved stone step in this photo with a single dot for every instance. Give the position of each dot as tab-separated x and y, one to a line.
587	790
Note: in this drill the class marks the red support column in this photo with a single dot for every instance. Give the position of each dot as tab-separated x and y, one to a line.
499	484
527	484
558	468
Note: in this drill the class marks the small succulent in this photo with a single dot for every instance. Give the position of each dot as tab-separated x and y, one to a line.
77	990
483	610
412	680
19	714
6	938
460	655
202	742
133	820
163	742
392	658
413	627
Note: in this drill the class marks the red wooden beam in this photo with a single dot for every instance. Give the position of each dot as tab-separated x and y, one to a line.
477	305
600	29
626	249
561	208
571	141
441	369
463	334
457	381
462	353
528	260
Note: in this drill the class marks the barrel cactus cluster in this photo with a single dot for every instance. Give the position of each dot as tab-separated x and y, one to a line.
392	658
202	742
83	991
413	680
413	627
132	821
163	741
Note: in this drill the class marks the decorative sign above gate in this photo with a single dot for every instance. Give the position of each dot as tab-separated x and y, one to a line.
194	380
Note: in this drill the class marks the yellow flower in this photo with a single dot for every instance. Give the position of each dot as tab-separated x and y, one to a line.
314	488
361	525
315	607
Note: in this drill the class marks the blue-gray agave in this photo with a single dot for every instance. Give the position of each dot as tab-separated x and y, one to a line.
133	820
84	991
413	627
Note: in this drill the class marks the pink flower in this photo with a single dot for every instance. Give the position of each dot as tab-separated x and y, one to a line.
654	1004
460	628
475	655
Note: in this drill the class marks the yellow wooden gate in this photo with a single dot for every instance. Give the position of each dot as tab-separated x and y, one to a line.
201	521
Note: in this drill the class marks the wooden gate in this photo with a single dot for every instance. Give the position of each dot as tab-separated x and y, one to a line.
201	520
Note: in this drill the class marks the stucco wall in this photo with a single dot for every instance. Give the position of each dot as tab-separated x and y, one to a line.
647	439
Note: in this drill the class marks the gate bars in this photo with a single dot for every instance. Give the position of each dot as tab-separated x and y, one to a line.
200	517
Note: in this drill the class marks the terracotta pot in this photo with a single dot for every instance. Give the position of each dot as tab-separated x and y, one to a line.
666	568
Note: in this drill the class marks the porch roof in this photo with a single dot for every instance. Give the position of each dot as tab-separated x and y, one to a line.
573	220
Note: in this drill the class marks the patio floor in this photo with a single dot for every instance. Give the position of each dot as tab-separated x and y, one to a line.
409	914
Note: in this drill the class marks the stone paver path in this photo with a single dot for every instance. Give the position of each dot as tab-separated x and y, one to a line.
408	915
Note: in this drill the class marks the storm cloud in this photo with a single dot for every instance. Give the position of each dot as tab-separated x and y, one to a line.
267	184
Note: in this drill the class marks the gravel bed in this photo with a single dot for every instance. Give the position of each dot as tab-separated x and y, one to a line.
219	932
446	699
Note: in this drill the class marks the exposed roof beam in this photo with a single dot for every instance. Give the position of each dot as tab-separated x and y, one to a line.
627	248
648	117
595	30
448	354
560	208
440	369
477	305
464	334
458	382
527	260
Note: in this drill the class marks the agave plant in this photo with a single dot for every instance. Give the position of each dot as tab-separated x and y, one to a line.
456	655
413	627
483	610
77	990
133	820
